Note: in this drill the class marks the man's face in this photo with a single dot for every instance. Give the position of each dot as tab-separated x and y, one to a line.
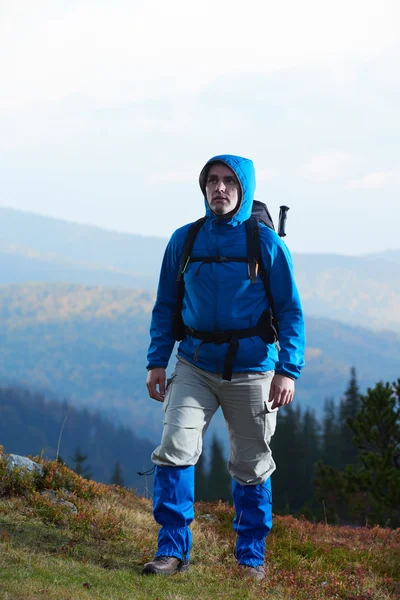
222	189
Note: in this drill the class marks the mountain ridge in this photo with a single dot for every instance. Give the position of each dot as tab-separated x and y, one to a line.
358	290
9	216
89	344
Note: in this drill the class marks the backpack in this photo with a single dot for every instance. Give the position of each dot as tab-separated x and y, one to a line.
267	326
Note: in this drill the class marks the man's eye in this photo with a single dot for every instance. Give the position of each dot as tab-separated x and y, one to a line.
211	180
230	180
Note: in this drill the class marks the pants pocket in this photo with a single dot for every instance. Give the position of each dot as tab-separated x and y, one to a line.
269	421
170	381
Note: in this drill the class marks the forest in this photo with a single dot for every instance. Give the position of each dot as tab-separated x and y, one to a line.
88	442
342	468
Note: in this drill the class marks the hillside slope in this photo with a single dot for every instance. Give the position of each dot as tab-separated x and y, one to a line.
47	551
48	237
31	425
363	290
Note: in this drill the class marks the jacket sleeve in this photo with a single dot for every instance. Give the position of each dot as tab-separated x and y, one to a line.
287	307
162	340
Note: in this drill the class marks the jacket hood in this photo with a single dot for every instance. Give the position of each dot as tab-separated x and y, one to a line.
244	171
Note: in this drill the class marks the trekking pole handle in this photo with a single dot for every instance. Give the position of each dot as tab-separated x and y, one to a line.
282	220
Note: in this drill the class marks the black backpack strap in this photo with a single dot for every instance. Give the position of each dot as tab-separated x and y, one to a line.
253	247
178	327
256	263
188	245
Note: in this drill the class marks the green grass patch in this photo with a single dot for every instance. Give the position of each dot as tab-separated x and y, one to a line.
47	552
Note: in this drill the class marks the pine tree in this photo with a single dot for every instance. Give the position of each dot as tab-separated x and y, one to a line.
219	480
338	450
330	494
308	454
78	464
330	442
349	408
369	491
376	429
285	445
201	477
117	475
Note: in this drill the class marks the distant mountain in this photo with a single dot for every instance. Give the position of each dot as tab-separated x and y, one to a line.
20	266
46	239
89	345
389	255
31	425
359	290
84	343
362	291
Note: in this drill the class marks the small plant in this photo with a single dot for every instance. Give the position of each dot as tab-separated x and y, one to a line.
17	480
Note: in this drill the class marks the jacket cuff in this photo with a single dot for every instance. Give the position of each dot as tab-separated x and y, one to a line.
285	375
150	367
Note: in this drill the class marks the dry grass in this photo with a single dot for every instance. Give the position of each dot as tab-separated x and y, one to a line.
47	553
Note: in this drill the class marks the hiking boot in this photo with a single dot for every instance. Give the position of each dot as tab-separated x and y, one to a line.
257	573
164	565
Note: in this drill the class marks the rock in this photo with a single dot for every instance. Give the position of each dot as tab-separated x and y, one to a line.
13	461
52	496
67	493
208	517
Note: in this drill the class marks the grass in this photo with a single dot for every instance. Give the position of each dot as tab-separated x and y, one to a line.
48	553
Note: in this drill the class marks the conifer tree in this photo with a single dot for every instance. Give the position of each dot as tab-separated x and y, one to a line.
369	491
79	466
330	442
349	408
338	450
219	480
285	446
200	483
308	454
330	494
117	475
376	429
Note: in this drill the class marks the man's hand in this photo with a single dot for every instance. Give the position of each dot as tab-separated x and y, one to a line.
281	391
156	377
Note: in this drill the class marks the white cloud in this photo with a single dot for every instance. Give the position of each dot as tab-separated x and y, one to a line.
118	53
266	174
107	109
191	174
375	180
326	166
184	176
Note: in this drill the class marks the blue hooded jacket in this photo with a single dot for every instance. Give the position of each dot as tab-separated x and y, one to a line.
220	296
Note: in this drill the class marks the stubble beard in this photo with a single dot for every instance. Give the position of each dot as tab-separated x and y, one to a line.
221	208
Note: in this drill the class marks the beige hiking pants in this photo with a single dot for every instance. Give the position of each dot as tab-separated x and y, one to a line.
193	396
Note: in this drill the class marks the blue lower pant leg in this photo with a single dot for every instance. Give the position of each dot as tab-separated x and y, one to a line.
173	500
253	521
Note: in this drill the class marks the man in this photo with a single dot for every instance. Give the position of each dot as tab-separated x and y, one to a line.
223	360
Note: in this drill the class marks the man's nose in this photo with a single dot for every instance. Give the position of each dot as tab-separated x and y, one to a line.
220	185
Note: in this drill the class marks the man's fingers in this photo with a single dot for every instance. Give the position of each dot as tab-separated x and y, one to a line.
162	386
152	390
281	391
277	398
151	387
289	397
156	395
285	397
155	383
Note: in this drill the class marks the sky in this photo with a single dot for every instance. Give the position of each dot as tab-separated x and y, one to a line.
108	111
